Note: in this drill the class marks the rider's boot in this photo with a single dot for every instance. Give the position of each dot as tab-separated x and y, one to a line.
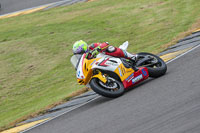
133	58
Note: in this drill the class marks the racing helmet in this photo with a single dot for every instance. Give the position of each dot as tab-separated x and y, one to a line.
80	47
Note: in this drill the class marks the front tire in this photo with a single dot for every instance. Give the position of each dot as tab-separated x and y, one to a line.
100	88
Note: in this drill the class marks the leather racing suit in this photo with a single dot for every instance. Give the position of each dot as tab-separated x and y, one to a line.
111	50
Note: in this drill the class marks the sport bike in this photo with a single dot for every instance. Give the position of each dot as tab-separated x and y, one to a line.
110	76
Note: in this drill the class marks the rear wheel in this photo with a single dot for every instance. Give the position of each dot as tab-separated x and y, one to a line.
112	88
155	65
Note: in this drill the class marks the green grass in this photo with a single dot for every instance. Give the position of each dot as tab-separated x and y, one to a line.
35	49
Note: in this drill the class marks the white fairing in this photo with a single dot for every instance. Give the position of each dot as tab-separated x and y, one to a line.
79	72
111	63
106	62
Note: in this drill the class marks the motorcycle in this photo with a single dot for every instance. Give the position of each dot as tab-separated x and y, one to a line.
110	76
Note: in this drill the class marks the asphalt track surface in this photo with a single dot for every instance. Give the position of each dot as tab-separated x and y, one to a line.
9	6
169	104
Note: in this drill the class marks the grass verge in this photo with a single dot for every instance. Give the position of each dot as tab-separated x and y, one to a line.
35	49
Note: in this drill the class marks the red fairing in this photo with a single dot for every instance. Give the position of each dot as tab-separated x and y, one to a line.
136	77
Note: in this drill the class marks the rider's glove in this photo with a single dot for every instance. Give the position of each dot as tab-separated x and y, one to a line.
96	51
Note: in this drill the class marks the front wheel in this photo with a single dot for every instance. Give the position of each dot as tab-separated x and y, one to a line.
155	65
111	89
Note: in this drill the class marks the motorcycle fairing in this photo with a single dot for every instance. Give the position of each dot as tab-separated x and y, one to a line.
115	65
123	72
84	70
136	77
108	63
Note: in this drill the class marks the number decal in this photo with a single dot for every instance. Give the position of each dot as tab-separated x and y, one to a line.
144	72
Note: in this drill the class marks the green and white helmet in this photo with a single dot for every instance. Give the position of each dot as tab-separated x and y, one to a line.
80	47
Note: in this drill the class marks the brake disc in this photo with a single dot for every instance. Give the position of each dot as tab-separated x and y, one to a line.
111	84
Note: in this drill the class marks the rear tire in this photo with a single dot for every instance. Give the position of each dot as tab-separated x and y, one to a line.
157	71
110	93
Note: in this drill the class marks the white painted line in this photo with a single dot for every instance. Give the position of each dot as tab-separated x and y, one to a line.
34	7
98	96
183	54
60	114
24	10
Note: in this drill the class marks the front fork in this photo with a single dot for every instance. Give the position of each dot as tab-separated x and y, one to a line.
100	76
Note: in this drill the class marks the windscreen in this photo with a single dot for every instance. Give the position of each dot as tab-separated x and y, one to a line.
75	60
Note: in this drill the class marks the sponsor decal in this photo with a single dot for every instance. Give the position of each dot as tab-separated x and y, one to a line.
138	78
120	72
130	77
111	63
93	62
144	72
78	73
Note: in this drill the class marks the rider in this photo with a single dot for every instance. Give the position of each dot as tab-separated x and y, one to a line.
81	47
